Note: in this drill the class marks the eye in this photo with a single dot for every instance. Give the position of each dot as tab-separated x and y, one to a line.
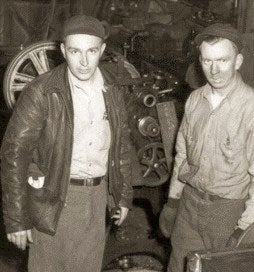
223	60
73	51
93	50
207	61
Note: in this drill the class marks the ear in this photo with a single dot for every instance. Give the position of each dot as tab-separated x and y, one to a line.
200	58
239	61
103	46
62	47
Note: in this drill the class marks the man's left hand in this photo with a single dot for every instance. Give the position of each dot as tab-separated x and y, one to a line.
234	238
120	215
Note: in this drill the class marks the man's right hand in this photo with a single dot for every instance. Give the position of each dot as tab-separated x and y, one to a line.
168	216
20	238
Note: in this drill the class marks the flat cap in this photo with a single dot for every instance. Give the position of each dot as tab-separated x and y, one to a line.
225	31
84	24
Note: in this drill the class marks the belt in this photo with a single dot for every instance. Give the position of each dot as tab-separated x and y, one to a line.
86	181
205	195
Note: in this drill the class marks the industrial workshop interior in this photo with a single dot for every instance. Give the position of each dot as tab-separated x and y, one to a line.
154	41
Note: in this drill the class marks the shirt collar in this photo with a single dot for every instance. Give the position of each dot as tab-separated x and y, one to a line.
235	93
96	84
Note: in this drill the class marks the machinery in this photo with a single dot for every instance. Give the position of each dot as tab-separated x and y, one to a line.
156	49
240	258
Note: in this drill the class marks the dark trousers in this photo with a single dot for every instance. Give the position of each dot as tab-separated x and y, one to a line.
78	244
202	223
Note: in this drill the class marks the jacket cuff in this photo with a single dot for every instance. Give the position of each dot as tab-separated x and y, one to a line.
11	227
127	202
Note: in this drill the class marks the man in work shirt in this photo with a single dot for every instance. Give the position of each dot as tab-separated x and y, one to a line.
211	194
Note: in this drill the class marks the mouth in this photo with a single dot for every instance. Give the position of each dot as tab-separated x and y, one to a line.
216	80
83	71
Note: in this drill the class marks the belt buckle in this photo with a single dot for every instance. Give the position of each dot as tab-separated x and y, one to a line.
88	181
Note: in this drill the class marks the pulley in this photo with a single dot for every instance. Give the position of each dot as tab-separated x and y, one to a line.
146	98
152	157
148	126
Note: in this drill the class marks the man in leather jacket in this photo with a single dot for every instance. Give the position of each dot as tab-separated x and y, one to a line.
66	155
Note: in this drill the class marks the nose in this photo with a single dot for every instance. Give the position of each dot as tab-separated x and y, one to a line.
214	68
83	60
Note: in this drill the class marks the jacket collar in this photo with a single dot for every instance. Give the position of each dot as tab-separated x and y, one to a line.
58	80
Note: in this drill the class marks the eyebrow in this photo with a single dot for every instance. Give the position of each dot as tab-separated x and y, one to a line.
95	47
78	49
71	47
220	58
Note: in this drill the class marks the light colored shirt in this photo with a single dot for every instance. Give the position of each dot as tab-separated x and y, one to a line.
91	136
215	147
215	100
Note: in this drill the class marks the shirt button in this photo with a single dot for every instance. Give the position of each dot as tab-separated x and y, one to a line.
90	164
90	143
65	205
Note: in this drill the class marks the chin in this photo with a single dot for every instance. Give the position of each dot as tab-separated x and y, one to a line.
217	85
84	77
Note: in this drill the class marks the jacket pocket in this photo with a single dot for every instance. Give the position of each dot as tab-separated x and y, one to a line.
36	200
44	212
34	171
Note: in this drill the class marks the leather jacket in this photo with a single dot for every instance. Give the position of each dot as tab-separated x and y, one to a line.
38	142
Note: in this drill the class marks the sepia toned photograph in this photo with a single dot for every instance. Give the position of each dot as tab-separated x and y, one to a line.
126	133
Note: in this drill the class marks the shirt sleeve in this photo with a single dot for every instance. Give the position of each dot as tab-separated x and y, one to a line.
176	186
247	217
20	139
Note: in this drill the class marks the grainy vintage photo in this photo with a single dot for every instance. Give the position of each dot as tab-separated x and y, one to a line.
126	135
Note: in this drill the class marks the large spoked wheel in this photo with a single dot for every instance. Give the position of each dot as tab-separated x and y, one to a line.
34	60
152	157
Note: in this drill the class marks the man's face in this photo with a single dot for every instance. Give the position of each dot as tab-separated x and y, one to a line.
82	53
219	61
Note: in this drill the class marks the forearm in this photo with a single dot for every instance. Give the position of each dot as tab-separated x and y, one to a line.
176	189
126	172
176	186
17	148
247	217
14	165
126	158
